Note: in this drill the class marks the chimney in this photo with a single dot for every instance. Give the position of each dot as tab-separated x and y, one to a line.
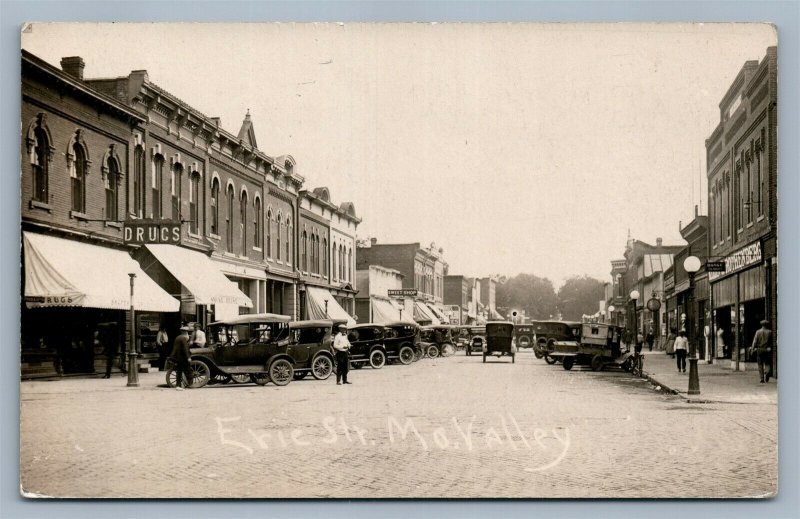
373	241
659	241
73	66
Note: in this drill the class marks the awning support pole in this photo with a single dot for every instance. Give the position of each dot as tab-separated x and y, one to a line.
133	369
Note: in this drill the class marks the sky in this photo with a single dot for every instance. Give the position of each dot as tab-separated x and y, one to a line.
514	147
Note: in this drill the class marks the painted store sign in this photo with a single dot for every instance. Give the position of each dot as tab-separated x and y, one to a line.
742	258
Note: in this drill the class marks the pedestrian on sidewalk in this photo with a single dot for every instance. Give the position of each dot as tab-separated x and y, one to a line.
639	343
162	342
681	347
671	343
762	346
342	347
199	337
180	356
110	351
650	339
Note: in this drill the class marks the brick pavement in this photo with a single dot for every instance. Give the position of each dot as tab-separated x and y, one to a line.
402	431
717	383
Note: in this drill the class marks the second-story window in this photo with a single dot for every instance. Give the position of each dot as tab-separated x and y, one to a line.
215	206
304	251
175	187
324	257
78	179
269	233
279	229
139	182
257	224
243	222
41	165
289	228
158	185
194	203
111	185
229	231
350	264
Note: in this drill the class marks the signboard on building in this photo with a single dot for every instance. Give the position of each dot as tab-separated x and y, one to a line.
141	232
741	259
405	292
715	266
669	282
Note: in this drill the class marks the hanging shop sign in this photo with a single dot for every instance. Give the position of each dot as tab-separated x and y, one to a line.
405	292
150	232
715	266
741	259
654	305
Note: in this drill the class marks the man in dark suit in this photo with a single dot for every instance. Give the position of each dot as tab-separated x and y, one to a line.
180	356
762	346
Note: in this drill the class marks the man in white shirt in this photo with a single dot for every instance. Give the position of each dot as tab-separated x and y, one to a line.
199	338
681	347
342	347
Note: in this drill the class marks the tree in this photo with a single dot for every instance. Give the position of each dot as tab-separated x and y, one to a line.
578	296
527	292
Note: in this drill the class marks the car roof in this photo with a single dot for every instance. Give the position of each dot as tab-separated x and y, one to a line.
254	318
568	323
499	322
311	324
365	325
399	323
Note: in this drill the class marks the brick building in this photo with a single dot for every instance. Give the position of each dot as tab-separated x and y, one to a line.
742	199
78	153
457	296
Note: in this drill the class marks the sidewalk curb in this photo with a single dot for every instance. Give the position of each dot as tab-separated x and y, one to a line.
694	399
664	388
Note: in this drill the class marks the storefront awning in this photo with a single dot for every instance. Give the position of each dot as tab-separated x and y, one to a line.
423	314
200	276
438	313
66	273
494	315
383	311
315	306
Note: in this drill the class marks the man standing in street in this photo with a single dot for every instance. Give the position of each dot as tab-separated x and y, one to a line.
681	347
199	339
342	347
762	345
180	356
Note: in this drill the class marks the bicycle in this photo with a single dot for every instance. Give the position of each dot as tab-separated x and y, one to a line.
637	364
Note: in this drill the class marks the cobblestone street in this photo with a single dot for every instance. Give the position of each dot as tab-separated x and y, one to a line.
450	427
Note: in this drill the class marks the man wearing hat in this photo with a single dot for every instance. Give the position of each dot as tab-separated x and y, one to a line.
180	356
762	344
342	347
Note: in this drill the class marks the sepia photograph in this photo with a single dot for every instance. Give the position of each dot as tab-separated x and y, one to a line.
398	260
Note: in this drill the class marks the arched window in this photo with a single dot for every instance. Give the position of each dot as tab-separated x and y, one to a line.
269	233
288	241
257	224
304	251
158	185
139	182
78	179
324	257
194	203
341	262
314	241
215	206
243	222
231	200
350	265
176	175
41	164
112	184
334	263
278	225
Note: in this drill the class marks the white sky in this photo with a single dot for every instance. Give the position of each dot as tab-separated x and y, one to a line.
515	147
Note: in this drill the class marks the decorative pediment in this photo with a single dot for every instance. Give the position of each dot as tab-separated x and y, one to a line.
39	123
77	140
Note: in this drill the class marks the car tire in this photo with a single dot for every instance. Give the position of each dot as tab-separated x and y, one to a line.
538	354
432	351
281	372
322	367
200	373
262	379
241	378
221	378
597	363
406	355
550	360
567	362
377	359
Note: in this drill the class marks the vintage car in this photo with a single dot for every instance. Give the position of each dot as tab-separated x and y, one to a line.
401	341
366	345
248	347
462	336
500	340
311	348
546	333
476	344
523	334
437	340
597	346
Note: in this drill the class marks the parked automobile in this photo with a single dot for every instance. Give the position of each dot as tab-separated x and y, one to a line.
437	340
249	347
476	344
523	334
401	341
500	340
462	336
546	333
311	348
597	345
366	341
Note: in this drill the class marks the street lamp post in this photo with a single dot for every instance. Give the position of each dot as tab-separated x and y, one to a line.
133	370
634	296
691	265
611	315
326	308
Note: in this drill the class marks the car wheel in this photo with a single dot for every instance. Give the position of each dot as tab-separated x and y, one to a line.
406	355
220	378
200	373
567	363
281	372
262	379
241	378
322	367
377	359
172	377
597	363
300	375
538	354
549	359
432	351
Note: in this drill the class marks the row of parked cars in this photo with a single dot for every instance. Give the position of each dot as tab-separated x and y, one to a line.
263	348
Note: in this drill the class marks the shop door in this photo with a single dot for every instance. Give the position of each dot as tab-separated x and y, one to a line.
753	312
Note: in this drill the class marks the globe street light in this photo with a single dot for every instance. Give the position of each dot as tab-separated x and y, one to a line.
634	296
611	309
691	265
133	369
